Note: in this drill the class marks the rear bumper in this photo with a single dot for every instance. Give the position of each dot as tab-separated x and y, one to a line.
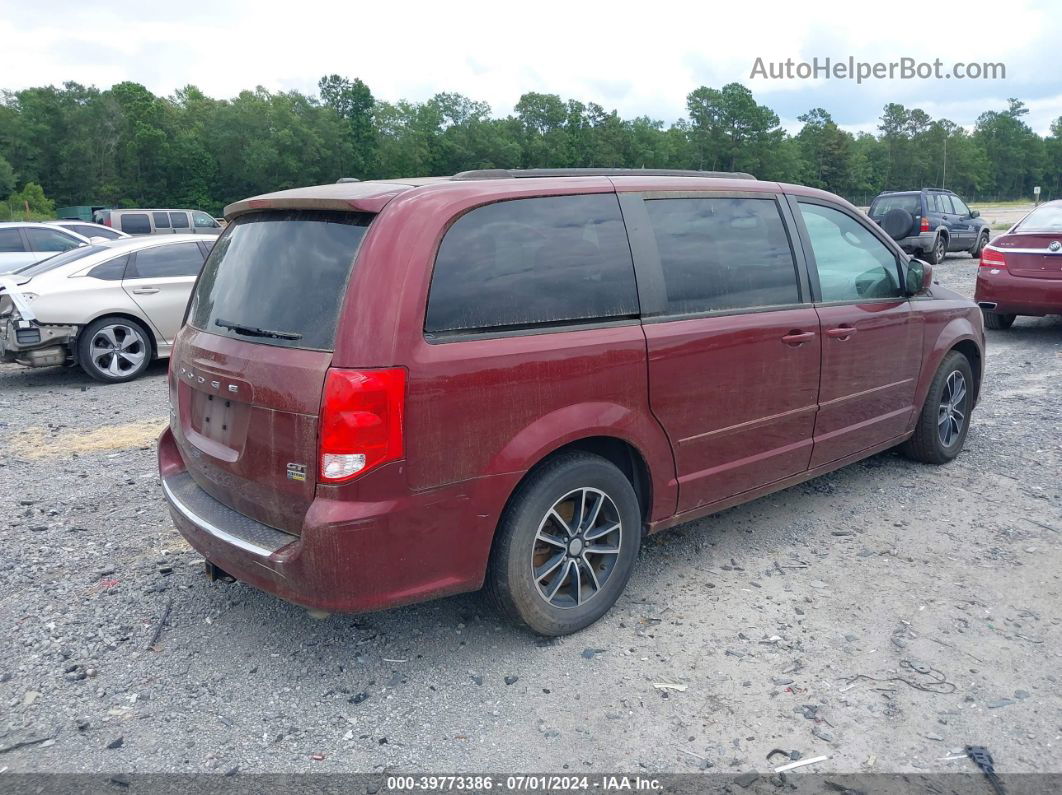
922	242
351	556
1017	295
34	345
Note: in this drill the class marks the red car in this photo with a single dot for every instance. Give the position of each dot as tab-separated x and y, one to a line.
391	391
1021	270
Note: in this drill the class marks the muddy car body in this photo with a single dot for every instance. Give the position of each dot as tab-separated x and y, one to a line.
499	373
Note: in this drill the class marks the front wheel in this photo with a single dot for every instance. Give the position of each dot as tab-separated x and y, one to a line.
566	545
945	418
114	349
997	321
982	241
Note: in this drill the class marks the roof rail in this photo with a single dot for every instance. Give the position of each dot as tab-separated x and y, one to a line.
525	173
341	180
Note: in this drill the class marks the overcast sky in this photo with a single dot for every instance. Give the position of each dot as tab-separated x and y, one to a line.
640	58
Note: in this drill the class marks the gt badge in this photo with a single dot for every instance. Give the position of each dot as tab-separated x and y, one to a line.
296	472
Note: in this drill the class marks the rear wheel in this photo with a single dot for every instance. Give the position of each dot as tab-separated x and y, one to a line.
114	349
935	255
998	321
945	418
566	545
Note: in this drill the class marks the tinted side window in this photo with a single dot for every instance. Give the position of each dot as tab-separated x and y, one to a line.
135	223
183	259
723	253
524	262
162	220
111	270
179	220
853	264
959	205
50	240
10	240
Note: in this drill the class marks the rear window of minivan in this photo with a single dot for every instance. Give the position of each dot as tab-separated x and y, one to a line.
278	277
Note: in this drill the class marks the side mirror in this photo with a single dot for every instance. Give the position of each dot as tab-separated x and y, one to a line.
975	213
919	276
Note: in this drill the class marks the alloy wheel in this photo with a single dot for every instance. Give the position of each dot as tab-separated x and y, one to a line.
952	413
117	349
576	548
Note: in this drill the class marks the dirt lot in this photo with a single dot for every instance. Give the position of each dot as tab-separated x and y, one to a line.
942	583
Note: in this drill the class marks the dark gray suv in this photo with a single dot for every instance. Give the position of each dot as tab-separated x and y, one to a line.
930	222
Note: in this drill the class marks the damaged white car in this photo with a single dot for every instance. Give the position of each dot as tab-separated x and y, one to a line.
110	307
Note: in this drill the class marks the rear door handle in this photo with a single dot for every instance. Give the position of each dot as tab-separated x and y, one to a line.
797	337
841	332
145	290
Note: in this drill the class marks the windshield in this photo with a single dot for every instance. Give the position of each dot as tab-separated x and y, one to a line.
1043	219
278	277
910	202
45	265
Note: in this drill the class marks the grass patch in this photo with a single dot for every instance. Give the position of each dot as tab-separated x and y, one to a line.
37	443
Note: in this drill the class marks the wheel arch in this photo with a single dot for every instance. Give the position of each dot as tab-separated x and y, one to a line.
969	349
142	322
152	338
958	335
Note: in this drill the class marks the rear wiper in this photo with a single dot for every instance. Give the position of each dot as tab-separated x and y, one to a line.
251	331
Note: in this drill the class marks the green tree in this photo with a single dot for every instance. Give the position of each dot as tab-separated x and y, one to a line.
30	203
730	131
353	102
7	178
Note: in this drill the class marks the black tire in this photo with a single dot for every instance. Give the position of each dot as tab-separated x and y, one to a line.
997	321
982	241
936	255
927	444
130	349
897	223
511	582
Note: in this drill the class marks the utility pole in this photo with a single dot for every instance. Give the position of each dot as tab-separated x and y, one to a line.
944	175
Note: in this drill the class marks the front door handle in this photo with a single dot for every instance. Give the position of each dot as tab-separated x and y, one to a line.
842	332
145	290
797	337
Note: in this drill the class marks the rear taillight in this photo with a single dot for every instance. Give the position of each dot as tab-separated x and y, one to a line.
993	258
924	226
361	421
107	219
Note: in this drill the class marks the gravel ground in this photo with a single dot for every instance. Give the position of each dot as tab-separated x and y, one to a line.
943	581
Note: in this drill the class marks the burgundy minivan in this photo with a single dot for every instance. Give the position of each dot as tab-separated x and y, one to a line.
392	391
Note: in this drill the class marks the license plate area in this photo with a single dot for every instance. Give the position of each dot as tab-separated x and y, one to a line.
219	419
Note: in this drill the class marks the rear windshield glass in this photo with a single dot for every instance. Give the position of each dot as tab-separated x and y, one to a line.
277	277
910	202
1043	219
57	260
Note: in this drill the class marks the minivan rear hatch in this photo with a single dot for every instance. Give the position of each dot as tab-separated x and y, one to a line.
249	366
